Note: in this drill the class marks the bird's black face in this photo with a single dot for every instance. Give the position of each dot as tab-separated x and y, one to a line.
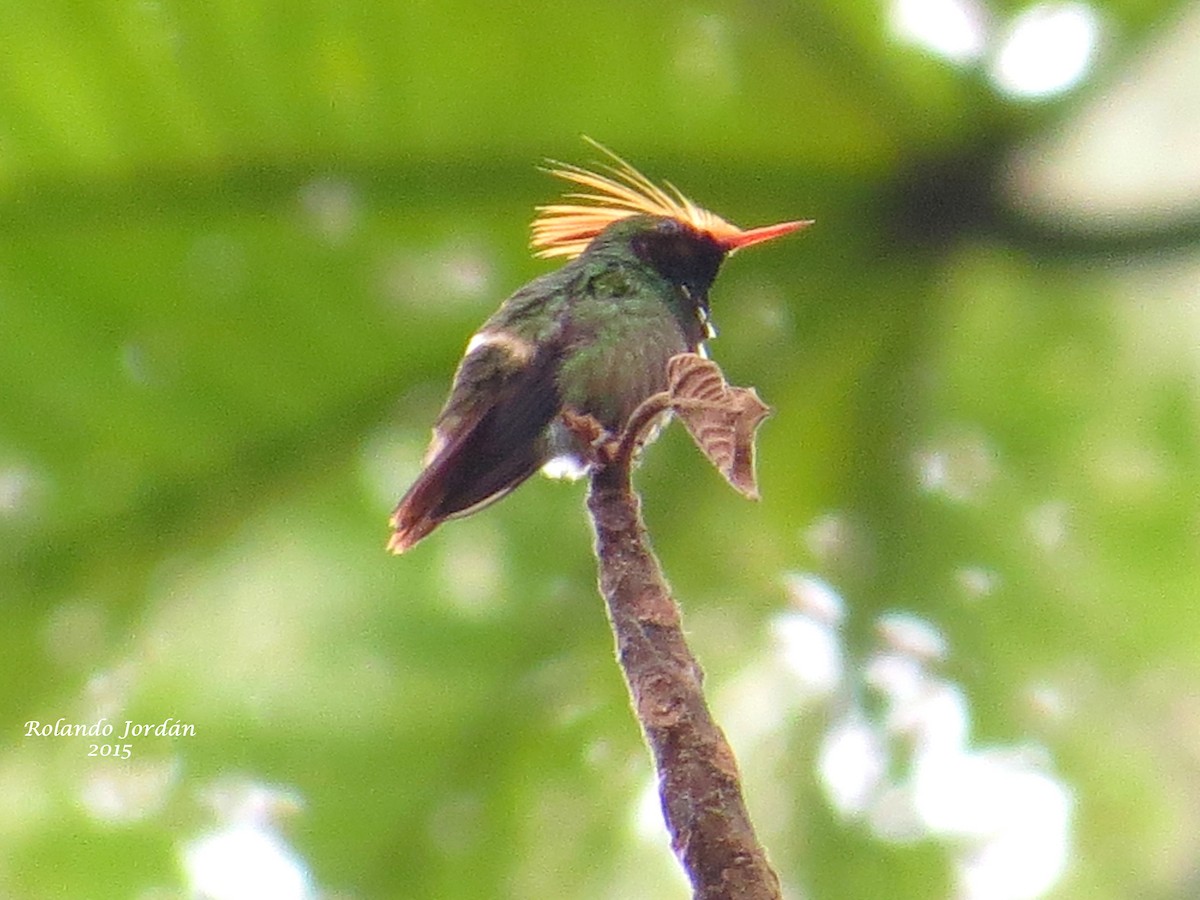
681	254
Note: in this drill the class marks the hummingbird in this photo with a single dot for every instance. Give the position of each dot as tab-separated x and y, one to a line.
569	356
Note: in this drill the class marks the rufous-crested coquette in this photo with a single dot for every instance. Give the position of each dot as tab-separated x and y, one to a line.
588	342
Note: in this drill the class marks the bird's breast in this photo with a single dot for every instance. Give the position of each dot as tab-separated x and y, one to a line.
615	362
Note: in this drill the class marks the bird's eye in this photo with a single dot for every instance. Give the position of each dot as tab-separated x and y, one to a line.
668	226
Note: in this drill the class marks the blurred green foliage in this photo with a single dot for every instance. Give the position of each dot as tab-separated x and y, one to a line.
241	248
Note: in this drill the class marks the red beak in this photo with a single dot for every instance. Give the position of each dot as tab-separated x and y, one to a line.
758	235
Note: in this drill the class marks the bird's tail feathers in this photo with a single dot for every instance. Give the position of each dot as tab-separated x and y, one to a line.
415	516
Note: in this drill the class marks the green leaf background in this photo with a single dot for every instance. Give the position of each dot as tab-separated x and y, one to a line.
241	248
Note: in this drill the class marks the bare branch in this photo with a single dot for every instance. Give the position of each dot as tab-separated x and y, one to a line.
699	783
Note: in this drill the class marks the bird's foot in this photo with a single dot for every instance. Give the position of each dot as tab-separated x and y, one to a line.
599	445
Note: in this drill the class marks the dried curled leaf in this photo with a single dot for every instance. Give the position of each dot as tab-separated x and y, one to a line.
720	418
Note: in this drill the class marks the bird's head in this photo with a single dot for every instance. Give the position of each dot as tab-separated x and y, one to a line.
662	225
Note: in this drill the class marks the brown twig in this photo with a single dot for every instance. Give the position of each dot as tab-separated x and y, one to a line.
698	777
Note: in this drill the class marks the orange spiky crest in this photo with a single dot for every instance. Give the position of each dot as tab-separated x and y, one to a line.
565	229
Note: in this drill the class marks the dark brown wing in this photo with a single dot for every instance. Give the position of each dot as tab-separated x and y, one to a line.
489	439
